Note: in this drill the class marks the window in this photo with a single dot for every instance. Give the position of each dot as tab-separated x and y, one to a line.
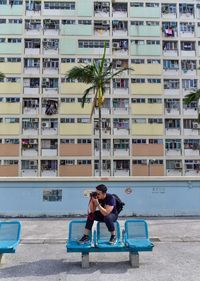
3	2
83	120
12	141
138	61
152	5
137	23
155	121
138	100
68	60
13	59
154	81
67	120
155	141
139	141
68	22
59	5
136	4
85	141
84	162
154	100
153	42
92	44
86	22
67	162
138	80
52	195
68	100
67	141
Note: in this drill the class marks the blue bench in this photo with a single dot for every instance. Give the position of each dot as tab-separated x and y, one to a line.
9	237
134	240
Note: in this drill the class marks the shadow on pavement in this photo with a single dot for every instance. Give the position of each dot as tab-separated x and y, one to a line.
53	267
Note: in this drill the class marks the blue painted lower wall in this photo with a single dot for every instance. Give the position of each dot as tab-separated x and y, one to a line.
142	198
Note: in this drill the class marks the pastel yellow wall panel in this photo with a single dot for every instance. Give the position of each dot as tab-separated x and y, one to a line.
75	108
146	89
146	109
9	129
11	67
10	88
65	67
147	129
76	129
73	88
146	69
9	108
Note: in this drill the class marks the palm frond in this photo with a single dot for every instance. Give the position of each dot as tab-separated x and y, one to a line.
1	75
93	104
85	94
194	96
84	74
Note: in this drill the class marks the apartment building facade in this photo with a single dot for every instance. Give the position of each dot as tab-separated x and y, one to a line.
146	128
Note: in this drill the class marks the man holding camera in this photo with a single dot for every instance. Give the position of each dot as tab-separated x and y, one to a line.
107	212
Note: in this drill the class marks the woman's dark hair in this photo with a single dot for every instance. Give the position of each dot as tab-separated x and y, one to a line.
101	188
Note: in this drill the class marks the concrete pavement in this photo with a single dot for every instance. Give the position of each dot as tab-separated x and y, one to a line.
41	255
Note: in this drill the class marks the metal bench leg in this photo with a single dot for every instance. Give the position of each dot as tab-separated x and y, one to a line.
85	260
134	259
1	256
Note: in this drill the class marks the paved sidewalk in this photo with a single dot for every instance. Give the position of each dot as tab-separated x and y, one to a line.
41	255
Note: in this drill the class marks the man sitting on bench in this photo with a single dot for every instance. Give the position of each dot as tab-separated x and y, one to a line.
107	213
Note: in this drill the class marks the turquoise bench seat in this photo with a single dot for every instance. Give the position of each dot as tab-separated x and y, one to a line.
9	237
135	239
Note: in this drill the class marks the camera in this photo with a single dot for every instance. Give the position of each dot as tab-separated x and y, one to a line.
93	194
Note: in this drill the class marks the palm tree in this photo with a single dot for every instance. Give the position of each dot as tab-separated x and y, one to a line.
1	75
97	75
194	96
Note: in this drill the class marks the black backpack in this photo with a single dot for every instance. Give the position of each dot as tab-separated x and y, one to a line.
119	203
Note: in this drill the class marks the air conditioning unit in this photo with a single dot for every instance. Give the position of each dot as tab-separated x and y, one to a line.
195	125
178	165
115	45
32	141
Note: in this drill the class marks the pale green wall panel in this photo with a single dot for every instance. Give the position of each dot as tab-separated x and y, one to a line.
136	30
140	12
77	29
68	46
16	10
145	50
11	28
85	8
11	48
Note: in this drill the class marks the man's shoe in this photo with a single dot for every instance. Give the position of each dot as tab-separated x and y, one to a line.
113	240
84	240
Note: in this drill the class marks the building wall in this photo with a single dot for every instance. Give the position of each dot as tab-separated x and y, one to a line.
145	124
143	197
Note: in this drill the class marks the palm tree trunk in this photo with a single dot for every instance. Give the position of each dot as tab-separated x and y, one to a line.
100	145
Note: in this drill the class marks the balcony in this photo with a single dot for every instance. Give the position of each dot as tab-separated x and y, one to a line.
33	27
119	28
191	147
50	86
49	147
49	127
49	168
121	147
172	127
101	9
120	47
168	11
121	127
173	147
50	46
32	46
49	106
31	86
50	66
174	168
120	107
30	148
33	9
101	28
30	126
188	49
119	10
121	168
51	27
